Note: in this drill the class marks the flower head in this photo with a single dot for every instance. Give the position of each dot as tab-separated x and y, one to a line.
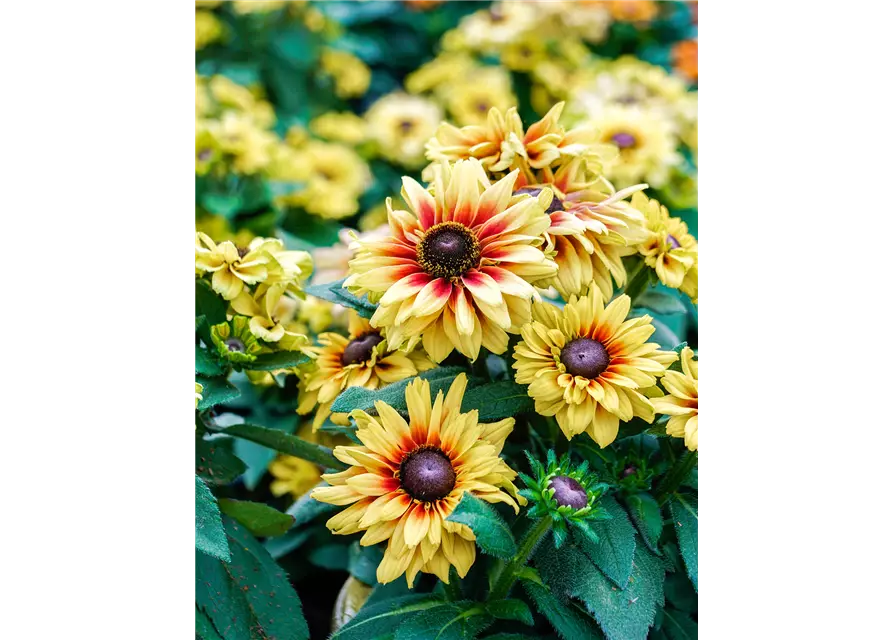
588	365
198	393
235	342
457	270
669	249
407	477
401	124
682	401
350	74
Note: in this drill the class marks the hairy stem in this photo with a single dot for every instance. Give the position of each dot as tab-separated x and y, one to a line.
506	578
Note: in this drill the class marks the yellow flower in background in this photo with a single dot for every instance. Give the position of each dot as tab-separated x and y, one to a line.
682	401
257	6
207	29
647	142
444	69
345	127
491	29
296	136
470	99
333	263
248	145
296	476
458	269
219	227
375	218
272	314
641	11
407	477
401	124
690	283
589	366
524	53
207	150
334	175
350	74
207	4
670	249
198	393
361	359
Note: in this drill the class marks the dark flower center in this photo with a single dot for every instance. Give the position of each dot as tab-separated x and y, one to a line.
243	251
448	250
624	140
483	107
427	474
406	125
204	154
568	492
585	357
673	242
234	344
360	349
630	470
556	205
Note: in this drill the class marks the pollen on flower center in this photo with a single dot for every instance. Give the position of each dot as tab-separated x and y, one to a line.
568	492
360	349
585	357
234	344
448	250
673	242
427	474
624	140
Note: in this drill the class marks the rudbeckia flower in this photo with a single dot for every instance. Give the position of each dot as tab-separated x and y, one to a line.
360	360
670	249
682	401
407	478
401	124
588	365
458	268
235	342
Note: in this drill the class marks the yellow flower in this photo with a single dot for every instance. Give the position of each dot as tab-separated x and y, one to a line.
245	142
682	401
360	360
351	75
198	394
470	99
489	30
444	69
690	283
457	270
257	6
524	53
207	29
345	127
407	478
401	124
647	142
496	143
333	263
335	176
670	250
296	476
588	365
272	314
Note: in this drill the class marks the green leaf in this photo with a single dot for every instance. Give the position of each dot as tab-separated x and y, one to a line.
277	360
662	335
439	379
306	508
384	617
204	628
215	391
680	592
209	304
660	302
219	597
493	535
460	620
566	618
209	535
333	292
283	545
645	513
685	521
612	551
497	400
215	461
511	609
622	614
362	562
285	443
679	626
258	518
206	363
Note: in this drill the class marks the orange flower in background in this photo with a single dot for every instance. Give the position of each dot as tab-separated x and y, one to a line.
633	10
685	59
422	5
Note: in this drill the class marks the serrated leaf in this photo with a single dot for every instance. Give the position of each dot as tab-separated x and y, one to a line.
613	551
204	628
285	443
685	522
439	379
461	620
215	461
258	518
661	302
511	609
334	292
209	304
209	535
220	598
385	616
498	400
277	360
679	626
306	508
645	514
215	391
493	535
206	363
565	617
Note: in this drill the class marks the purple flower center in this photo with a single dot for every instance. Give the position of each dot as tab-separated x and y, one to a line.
234	344
624	140
427	474
585	357
568	492
448	250
360	349
673	242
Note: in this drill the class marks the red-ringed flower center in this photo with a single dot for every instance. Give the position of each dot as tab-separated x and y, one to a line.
557	203
624	140
427	474
360	349
448	250
585	357
234	344
674	243
568	492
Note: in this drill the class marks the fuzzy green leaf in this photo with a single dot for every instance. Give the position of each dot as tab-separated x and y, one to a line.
334	292
277	360
566	618
511	609
209	535
285	443
363	562
612	551
497	400
215	391
394	395
660	302
685	521
215	461
679	626
645	513
204	628
206	363
209	304
461	620
219	597
258	518
385	616
493	535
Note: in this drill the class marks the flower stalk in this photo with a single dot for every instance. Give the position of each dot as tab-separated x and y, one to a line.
509	572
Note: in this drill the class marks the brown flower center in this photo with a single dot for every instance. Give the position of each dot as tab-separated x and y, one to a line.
448	250
585	357
234	344
427	474
360	349
406	125
568	492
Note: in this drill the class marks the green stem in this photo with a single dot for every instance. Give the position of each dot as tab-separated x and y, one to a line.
638	282
506	578
676	476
